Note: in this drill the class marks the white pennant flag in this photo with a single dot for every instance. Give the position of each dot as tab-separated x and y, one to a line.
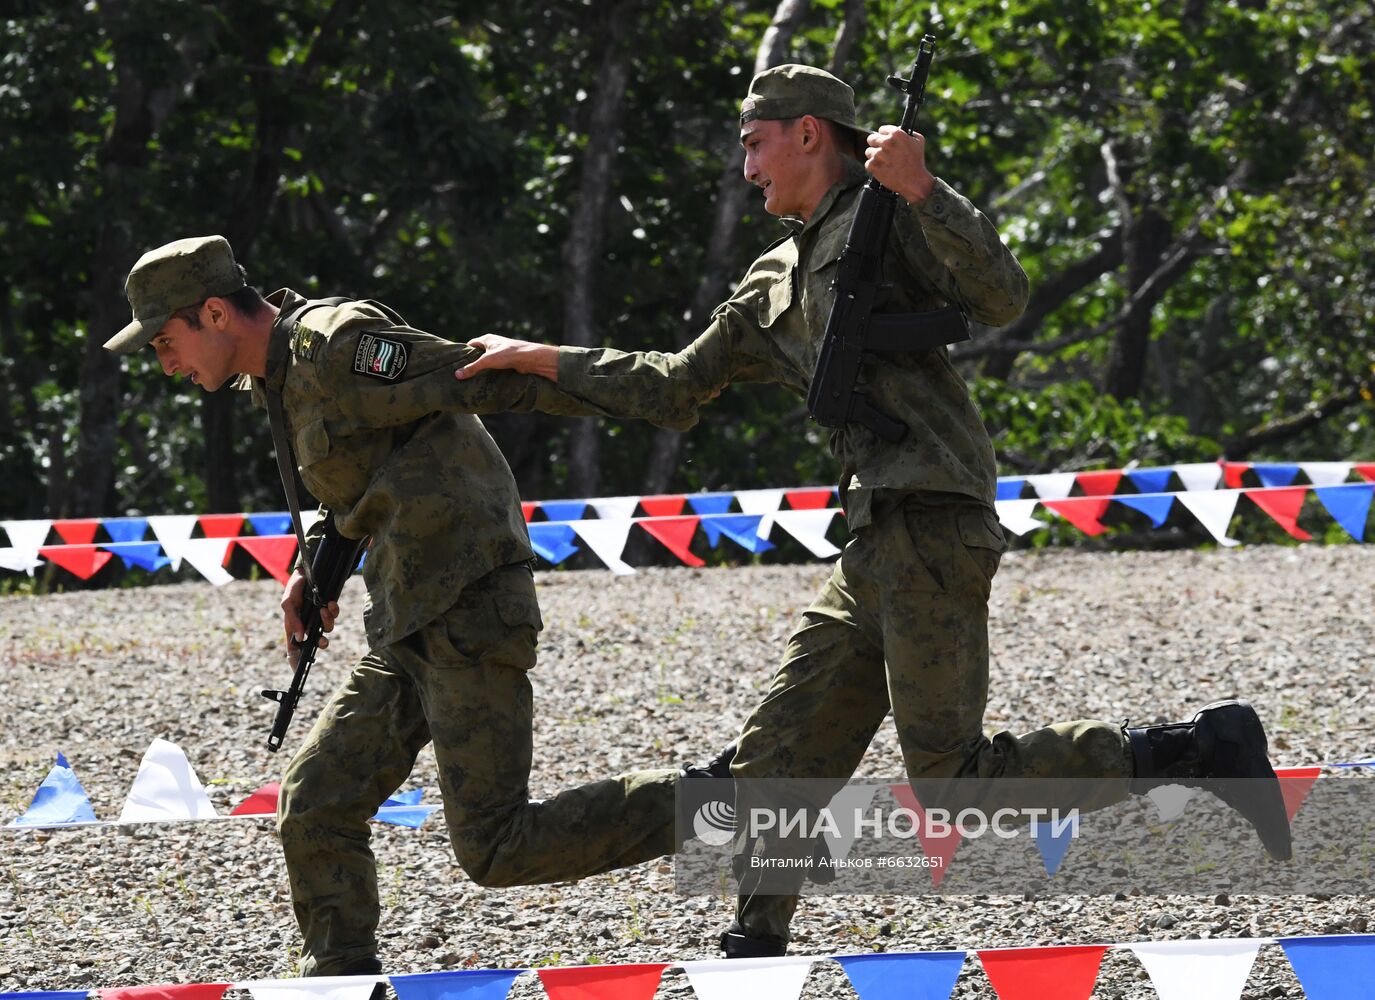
205	554
166	788
1214	510
809	527
1171	800
1184	970
1326	473
607	540
171	530
26	537
1015	515
762	502
749	978
614	508
321	988
846	808
19	560
1053	485
1199	475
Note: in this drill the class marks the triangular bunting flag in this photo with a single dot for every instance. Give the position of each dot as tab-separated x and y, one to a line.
762	502
262	802
1366	470
933	845
404	809
47	995
564	510
1082	512
665	505
1099	484
207	555
165	789
77	531
553	542
1232	473
1156	506
474	984
1348	505
1015	515
60	799
1326	473
743	529
1274	474
83	561
1053	485
851	800
271	524
1038	973
1199	475
675	533
1295	784
314	988
748	978
927	975
809	499
1010	489
1150	480
710	503
144	555
1332	967
26	536
1283	505
527	509
606	539
172	530
603	982
18	561
221	525
1052	841
125	529
273	553
1185	970
809	527
169	991
1214	509
615	508
1171	800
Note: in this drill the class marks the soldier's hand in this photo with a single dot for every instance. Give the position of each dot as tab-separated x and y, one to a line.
897	160
515	355
293	601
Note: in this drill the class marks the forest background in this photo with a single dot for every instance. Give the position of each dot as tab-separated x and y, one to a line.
1186	182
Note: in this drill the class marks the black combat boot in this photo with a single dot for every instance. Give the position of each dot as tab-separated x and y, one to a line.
1222	750
737	944
717	767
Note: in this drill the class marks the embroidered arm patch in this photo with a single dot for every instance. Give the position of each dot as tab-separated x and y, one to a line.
379	357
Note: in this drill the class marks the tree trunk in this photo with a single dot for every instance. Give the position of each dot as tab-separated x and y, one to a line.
1148	237
731	197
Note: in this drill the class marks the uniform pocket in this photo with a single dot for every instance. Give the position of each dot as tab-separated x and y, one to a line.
519	609
777	298
983	543
312	443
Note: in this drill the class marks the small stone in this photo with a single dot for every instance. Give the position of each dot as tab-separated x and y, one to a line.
1222	899
1165	921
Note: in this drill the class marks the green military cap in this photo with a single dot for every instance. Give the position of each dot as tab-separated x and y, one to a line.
180	274
792	90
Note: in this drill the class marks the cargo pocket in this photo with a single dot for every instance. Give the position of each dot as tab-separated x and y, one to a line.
312	443
983	543
776	298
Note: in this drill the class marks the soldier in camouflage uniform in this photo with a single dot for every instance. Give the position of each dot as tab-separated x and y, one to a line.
388	442
902	623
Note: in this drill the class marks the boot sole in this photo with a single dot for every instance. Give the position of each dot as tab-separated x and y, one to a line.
1260	799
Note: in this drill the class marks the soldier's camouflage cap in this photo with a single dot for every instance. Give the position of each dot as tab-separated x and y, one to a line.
793	90
180	274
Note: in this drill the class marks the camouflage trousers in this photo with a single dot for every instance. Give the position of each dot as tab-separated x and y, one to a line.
902	625
460	682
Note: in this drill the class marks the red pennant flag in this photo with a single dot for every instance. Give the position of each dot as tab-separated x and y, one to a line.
1082	512
933	845
1038	973
602	982
1283	503
666	505
221	525
1099	484
77	531
1295	784
170	991
1232	473
815	499
676	535
527	510
263	802
84	561
1366	470
273	553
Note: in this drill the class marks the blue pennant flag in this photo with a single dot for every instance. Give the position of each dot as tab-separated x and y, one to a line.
402	816
710	503
564	510
1052	843
1156	506
1150	480
1275	474
465	984
125	529
743	529
271	524
1355	763
59	799
46	995
1349	505
1333	967
145	555
1010	489
553	542
926	975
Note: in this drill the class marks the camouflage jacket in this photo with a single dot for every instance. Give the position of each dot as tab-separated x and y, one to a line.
385	437
942	251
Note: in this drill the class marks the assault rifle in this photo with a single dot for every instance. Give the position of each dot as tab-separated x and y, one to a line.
335	559
853	329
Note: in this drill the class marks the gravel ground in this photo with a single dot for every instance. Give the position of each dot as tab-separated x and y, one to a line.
650	670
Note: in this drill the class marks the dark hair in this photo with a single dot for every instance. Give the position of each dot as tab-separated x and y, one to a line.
848	141
247	300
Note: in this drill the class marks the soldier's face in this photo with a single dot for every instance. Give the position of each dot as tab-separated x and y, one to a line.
205	355
774	162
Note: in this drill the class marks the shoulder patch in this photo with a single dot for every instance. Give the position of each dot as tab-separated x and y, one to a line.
305	342
379	357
